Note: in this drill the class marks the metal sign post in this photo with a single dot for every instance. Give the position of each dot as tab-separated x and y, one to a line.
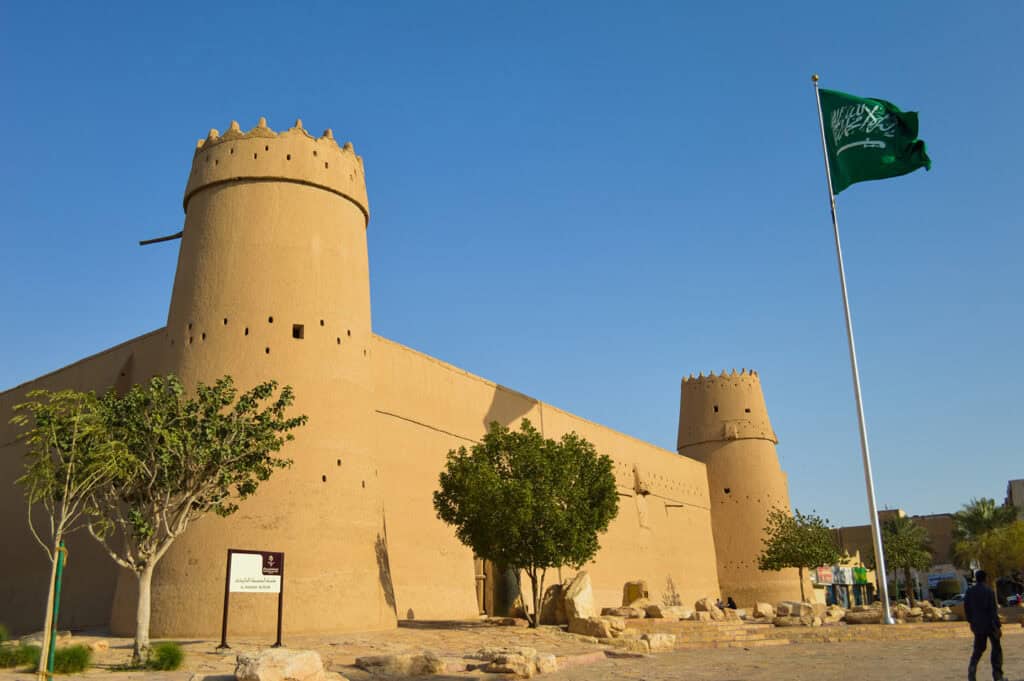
253	572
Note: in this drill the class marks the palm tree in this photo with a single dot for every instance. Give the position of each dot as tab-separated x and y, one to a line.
972	522
907	546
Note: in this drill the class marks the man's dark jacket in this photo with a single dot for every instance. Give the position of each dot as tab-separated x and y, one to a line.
981	611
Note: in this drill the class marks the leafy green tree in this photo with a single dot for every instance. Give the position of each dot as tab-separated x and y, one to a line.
972	522
528	503
907	547
68	458
999	551
799	540
183	457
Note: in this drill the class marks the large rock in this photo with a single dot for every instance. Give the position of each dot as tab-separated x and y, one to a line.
488	654
552	606
280	664
833	615
598	627
630	645
764	611
794	609
626	612
707	605
512	664
868	616
546	663
401	665
634	591
660	643
701	616
668	612
579	597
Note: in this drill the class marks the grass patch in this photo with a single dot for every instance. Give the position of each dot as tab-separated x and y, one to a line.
72	659
15	656
166	656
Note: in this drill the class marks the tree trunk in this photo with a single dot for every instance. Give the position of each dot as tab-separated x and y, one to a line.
535	620
142	609
802	599
44	653
911	596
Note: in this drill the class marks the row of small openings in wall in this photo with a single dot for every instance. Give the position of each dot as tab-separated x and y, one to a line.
745	409
298	332
255	155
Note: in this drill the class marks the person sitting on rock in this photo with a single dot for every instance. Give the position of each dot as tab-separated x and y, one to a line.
731	603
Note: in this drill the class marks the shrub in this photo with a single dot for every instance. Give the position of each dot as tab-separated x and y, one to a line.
165	656
4	634
13	656
72	659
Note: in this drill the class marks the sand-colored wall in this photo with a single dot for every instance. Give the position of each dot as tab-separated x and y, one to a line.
91	575
723	422
426	407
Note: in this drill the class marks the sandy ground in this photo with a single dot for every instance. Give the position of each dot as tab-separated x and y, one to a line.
932	660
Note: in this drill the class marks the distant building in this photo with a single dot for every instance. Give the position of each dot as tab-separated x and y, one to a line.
857	538
1015	496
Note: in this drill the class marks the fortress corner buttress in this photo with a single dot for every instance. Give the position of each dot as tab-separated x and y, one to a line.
723	422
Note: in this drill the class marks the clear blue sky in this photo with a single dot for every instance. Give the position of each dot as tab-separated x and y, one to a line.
582	201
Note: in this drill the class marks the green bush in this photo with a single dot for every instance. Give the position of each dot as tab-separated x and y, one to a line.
72	659
13	656
165	656
4	634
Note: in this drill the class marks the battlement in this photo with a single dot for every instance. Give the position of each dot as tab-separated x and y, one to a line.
292	155
726	406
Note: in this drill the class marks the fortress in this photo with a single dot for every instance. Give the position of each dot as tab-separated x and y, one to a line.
273	282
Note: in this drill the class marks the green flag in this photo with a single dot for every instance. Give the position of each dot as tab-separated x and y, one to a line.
869	139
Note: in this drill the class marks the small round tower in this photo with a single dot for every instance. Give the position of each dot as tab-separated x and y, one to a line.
723	422
273	283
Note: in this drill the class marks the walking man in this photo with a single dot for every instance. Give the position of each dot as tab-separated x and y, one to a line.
983	615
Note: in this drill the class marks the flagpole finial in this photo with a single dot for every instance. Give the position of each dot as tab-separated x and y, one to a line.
814	77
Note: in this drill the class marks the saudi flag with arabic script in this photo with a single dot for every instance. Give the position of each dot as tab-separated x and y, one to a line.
869	139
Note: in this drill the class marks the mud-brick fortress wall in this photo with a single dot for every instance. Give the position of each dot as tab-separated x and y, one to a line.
273	282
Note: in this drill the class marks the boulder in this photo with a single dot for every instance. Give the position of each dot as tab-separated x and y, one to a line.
552	606
626	612
764	611
668	612
598	627
280	664
400	665
869	616
701	616
660	643
634	591
818	609
734	613
512	664
794	609
631	645
546	663
833	615
488	654
707	605
579	597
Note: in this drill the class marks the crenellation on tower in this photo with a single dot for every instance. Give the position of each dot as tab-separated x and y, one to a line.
292	155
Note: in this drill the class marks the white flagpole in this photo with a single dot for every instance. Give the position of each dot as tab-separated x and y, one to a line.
876	535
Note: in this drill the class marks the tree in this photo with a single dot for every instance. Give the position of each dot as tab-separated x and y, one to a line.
907	546
799	540
68	457
183	457
999	551
972	522
528	503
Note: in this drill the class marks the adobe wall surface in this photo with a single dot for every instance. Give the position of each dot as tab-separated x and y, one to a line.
91	574
426	407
